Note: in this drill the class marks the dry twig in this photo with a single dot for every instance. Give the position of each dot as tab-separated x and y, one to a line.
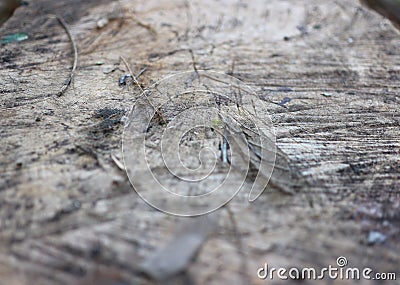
75	49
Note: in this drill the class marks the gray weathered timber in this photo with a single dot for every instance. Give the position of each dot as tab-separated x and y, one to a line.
68	214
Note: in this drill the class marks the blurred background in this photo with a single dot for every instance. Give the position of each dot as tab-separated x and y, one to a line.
388	8
7	8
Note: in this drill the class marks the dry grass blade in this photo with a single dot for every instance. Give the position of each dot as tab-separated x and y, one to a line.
75	49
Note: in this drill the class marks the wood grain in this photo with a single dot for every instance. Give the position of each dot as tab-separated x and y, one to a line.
68	214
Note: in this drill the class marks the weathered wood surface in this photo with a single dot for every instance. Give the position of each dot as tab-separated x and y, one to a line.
68	214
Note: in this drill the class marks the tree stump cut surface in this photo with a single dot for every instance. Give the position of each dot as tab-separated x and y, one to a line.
329	71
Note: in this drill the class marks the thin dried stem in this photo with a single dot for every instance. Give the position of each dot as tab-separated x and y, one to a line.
75	49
